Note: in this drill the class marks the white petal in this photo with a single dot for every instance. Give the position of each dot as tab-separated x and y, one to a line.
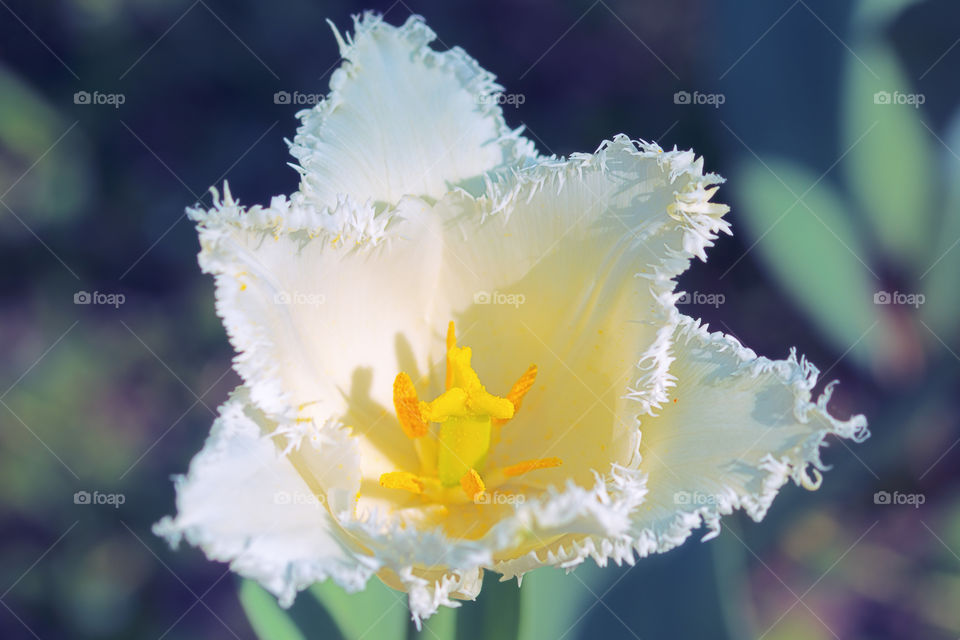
563	527
741	427
243	502
594	244
324	313
403	119
419	206
569	265
735	429
428	590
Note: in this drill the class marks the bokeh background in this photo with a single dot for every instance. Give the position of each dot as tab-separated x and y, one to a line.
835	122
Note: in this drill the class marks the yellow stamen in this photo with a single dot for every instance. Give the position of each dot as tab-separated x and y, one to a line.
453	455
521	386
472	484
531	465
519	389
402	480
451	343
407	406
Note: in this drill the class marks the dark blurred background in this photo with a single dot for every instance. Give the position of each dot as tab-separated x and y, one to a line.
835	122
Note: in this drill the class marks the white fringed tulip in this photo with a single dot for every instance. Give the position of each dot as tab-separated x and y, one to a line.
458	355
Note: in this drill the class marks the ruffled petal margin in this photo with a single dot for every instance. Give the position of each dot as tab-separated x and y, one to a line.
669	220
734	429
403	119
409	170
244	503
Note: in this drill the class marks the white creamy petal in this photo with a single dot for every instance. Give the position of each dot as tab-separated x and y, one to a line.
429	590
403	119
419	206
243	502
735	428
324	313
592	245
570	265
740	428
368	295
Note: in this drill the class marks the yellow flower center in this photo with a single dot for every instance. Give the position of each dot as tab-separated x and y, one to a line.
453	455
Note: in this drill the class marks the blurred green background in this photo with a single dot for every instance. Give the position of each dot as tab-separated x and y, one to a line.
835	122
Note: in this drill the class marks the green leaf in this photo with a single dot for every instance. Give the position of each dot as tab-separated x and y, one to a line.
814	250
553	602
890	163
376	613
45	164
939	276
268	620
494	614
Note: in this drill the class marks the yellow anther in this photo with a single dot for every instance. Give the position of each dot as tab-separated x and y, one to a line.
472	484
407	406
458	448
521	386
531	465
483	403
519	389
402	480
451	343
